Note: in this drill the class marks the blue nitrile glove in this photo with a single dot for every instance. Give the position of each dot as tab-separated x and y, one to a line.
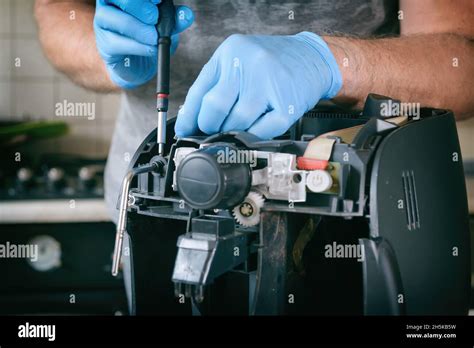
127	39
262	84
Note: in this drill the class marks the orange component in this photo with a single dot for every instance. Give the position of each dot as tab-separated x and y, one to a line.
306	163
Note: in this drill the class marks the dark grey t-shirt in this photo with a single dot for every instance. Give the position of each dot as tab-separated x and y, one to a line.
214	21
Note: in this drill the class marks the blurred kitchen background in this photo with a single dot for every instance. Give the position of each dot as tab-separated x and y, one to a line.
51	190
30	91
71	226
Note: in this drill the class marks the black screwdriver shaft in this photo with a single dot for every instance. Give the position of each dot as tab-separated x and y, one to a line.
165	27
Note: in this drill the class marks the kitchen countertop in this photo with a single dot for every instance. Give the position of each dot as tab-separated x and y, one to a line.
53	211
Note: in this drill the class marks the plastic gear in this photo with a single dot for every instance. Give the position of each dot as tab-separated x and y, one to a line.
247	213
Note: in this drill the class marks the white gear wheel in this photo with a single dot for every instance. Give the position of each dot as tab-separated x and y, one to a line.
247	213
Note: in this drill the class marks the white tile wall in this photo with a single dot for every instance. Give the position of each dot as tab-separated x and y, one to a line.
32	90
5	104
23	20
5	62
33	100
4	16
29	60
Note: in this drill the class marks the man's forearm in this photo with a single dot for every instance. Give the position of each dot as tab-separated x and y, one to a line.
431	69
67	36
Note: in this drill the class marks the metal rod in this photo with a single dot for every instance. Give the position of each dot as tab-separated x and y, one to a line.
161	132
122	221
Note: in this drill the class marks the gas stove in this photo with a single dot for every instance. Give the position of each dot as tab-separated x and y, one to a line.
55	204
52	188
53	177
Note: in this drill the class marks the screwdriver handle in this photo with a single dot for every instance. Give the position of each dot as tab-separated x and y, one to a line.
167	18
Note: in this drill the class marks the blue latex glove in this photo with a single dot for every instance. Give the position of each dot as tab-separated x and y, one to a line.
262	84
126	38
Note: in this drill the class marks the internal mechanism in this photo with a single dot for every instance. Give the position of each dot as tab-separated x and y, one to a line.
225	202
221	185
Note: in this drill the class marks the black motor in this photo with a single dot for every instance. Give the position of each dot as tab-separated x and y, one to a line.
222	184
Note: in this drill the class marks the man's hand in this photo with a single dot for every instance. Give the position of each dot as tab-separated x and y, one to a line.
262	84
431	63
126	38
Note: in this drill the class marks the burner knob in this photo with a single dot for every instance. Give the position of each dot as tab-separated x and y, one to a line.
24	178
55	174
86	173
87	177
55	178
24	175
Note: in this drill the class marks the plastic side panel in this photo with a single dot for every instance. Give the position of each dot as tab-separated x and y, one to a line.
418	204
383	293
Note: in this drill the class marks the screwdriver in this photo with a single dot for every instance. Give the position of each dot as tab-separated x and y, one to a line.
165	27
